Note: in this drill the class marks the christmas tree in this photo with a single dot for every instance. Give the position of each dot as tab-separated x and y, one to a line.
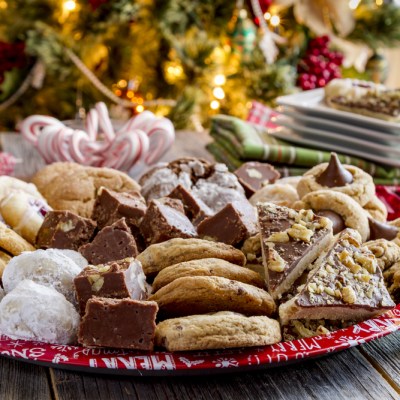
187	59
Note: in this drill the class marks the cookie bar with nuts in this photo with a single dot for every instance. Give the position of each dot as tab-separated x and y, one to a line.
290	242
348	284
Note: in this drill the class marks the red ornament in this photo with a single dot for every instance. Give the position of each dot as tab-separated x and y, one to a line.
265	5
12	56
95	4
319	64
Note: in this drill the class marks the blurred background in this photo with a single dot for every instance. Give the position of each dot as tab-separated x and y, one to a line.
185	59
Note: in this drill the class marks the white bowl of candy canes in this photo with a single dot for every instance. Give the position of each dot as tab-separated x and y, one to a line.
136	144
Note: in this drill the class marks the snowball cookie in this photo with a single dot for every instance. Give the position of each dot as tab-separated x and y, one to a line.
9	184
76	257
24	214
2	294
47	267
73	187
36	312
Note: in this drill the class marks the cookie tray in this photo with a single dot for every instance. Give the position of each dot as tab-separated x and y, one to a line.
121	362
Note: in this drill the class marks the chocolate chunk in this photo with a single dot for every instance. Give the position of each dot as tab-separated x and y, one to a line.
195	209
118	323
337	221
110	206
113	242
335	174
380	230
232	225
64	230
121	279
253	175
163	222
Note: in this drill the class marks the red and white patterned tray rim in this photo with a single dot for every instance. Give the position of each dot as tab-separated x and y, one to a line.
109	360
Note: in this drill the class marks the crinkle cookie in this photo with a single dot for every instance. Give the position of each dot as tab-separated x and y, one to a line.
376	209
327	203
73	187
279	194
36	312
386	252
347	179
219	330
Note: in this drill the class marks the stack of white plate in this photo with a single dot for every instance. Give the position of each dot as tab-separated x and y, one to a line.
304	119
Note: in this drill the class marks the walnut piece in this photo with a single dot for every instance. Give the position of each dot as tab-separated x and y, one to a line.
349	296
300	232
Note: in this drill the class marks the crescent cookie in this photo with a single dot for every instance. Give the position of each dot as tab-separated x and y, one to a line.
376	209
362	189
220	330
279	194
352	213
11	242
207	267
24	213
8	184
73	187
205	294
161	255
386	252
4	259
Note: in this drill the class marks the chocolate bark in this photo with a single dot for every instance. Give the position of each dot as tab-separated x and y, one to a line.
253	175
110	206
195	209
290	242
380	230
348	284
338	224
113	242
164	221
335	174
64	230
118	323
121	279
232	225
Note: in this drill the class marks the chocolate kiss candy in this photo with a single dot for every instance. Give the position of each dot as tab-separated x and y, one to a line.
379	230
335	174
337	221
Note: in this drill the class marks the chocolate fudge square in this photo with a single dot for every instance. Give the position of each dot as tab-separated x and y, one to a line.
111	206
253	175
164	220
64	230
113	242
121	279
118	323
233	224
195	209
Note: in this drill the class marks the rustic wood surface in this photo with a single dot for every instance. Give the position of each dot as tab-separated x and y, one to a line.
370	371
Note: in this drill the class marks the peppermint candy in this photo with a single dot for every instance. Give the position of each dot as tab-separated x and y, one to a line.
142	141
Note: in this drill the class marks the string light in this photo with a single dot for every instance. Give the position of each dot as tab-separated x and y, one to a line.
267	16
139	108
219	93
353	4
275	20
69	5
220	79
122	83
214	105
3	4
379	2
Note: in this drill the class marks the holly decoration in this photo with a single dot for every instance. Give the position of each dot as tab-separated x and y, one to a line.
319	64
12	56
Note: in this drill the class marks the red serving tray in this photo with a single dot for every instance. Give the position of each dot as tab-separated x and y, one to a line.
161	363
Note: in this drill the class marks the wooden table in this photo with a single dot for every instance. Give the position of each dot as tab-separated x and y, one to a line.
369	371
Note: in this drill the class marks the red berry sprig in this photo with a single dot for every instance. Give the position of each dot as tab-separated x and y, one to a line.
12	55
319	65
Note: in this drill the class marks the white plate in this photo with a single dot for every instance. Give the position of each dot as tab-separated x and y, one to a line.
312	102
334	138
339	127
292	137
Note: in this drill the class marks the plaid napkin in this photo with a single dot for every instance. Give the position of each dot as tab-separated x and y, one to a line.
237	141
